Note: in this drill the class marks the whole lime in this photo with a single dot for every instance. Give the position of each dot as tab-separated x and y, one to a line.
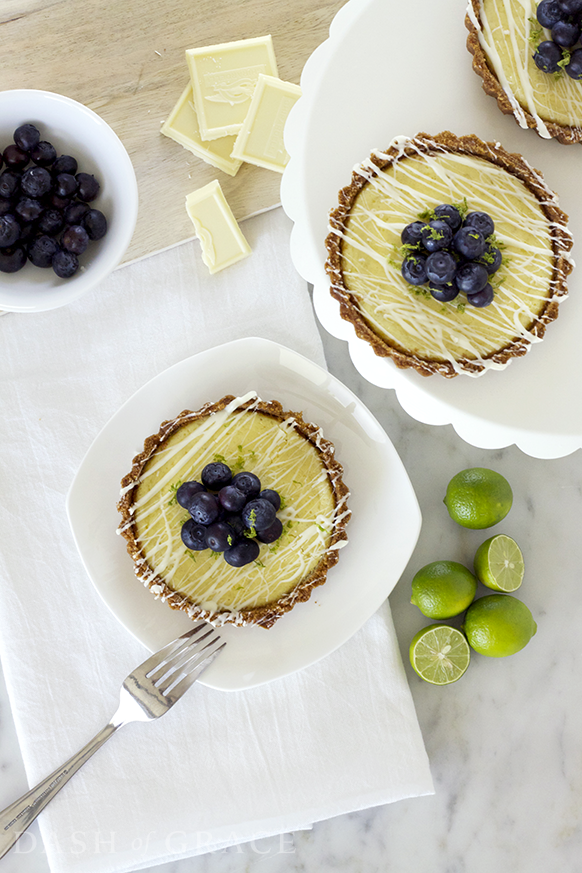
443	589
499	625
478	498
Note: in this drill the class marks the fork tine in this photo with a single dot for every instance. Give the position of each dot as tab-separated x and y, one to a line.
197	664
167	651
173	662
200	654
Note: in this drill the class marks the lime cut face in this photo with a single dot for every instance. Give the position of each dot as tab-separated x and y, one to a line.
478	498
439	654
499	563
443	589
499	625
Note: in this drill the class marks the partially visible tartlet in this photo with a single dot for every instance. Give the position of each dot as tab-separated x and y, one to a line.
290	456
390	190
500	40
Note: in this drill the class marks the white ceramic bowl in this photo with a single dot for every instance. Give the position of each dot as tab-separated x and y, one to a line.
78	131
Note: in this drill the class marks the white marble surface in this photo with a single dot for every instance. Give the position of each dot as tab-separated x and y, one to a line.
504	743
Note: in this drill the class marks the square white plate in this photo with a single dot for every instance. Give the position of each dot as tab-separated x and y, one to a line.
382	533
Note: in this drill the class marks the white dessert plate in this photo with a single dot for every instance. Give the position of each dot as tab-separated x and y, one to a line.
400	68
382	532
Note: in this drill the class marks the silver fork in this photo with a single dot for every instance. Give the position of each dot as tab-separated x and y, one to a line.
147	693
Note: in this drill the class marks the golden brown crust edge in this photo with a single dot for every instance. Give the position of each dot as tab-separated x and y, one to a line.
446	141
266	615
491	85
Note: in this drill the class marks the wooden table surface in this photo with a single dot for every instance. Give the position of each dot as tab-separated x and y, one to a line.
125	60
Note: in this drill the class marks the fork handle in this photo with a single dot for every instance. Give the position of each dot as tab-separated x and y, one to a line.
18	817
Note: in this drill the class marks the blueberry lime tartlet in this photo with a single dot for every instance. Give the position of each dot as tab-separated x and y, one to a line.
46	211
529	56
235	512
448	254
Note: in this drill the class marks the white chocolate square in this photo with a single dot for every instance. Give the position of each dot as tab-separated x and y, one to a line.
260	140
220	236
223	80
182	126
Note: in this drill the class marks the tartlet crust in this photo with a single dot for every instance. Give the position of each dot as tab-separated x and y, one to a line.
266	615
565	134
446	141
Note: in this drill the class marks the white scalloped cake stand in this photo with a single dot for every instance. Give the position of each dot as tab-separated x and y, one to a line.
389	69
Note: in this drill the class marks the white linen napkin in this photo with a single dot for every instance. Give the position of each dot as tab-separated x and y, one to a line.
221	768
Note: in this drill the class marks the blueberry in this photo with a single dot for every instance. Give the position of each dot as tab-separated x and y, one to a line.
26	137
220	536
236	523
574	68
248	483
414	269
549	12
450	214
412	233
258	514
28	232
272	496
65	164
65	264
482	298
44	154
231	498
480	221
471	277
204	508
58	202
12	259
565	34
75	213
216	476
272	533
15	157
5	206
36	182
41	251
65	185
491	259
436	235
28	209
186	492
547	56
242	553
51	221
88	186
75	239
444	293
95	224
9	183
440	267
9	230
193	535
469	243
568	7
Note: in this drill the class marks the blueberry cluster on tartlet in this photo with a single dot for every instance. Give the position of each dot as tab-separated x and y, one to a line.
562	52
229	513
198	553
449	249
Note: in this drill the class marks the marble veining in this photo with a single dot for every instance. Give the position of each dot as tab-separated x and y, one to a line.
504	743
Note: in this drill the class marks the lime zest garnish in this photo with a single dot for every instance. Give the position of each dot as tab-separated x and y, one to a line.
190	554
174	488
536	33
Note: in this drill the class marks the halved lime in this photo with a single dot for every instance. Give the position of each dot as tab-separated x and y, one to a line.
440	654
499	563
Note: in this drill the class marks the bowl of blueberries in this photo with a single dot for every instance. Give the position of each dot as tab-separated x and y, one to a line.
68	200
